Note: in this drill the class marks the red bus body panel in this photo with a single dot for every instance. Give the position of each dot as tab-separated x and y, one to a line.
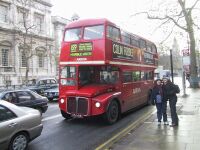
129	95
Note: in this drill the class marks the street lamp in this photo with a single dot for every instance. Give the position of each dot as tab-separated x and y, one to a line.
171	62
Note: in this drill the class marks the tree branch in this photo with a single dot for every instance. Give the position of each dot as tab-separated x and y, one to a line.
195	3
168	35
162	18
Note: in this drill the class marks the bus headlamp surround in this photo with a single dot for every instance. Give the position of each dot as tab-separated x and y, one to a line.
62	100
97	104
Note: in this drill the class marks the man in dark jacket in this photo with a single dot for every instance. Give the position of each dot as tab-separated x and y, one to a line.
169	93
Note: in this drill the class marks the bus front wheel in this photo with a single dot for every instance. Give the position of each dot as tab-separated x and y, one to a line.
112	113
66	115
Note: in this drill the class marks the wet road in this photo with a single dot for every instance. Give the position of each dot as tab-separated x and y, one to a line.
78	134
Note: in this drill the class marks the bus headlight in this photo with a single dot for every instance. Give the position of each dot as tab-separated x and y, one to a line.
97	104
62	101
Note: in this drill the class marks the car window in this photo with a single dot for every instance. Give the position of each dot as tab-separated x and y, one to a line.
10	97
6	114
53	81
23	96
36	95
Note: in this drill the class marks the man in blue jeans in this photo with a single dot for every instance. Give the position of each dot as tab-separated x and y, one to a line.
169	93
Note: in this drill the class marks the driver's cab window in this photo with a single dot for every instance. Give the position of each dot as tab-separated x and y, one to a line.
113	33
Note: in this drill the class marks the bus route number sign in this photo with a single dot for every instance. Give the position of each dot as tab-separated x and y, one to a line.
81	49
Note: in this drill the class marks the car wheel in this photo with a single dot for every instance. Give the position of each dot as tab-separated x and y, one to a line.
66	115
112	113
19	142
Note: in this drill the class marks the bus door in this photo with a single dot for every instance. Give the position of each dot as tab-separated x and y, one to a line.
127	93
137	89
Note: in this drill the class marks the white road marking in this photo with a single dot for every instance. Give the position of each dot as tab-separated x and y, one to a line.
52	117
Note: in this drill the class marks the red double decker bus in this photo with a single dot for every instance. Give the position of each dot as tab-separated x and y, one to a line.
104	70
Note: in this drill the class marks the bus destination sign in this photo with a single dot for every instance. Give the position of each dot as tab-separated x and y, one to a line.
81	49
124	52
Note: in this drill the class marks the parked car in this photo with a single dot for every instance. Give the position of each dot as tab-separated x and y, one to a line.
42	84
26	98
52	94
18	126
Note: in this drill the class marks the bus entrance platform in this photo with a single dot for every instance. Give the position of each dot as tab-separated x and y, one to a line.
151	136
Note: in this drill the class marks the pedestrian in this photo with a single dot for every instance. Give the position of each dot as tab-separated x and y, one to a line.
157	99
169	94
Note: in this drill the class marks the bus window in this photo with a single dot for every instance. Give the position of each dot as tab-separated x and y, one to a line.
143	76
127	77
109	74
154	49
93	32
136	75
126	38
134	41
149	48
113	33
142	44
72	34
68	75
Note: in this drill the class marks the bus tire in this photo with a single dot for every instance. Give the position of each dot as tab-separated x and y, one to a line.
112	113
66	115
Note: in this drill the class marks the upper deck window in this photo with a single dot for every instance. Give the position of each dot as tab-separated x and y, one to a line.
93	32
154	50
72	34
126	38
113	33
142	44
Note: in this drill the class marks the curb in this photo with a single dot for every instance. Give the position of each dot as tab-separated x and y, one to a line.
106	145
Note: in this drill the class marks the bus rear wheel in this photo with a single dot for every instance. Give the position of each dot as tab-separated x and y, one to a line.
112	113
66	115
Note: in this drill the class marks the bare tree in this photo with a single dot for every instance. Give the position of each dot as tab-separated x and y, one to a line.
183	18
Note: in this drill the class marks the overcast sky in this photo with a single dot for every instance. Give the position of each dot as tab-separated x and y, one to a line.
118	11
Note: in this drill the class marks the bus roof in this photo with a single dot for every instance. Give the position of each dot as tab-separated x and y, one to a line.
88	22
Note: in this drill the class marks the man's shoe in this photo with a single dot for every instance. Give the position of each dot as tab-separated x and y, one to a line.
159	123
166	123
173	125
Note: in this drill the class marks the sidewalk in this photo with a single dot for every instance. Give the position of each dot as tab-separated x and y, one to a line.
150	136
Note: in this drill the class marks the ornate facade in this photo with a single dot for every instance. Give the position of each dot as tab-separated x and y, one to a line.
26	24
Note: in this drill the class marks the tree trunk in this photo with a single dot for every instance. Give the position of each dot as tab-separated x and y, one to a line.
27	71
193	64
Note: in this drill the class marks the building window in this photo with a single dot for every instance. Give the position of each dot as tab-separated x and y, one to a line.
3	13
23	60
41	61
4	53
22	16
39	22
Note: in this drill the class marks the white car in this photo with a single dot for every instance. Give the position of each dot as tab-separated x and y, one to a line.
18	126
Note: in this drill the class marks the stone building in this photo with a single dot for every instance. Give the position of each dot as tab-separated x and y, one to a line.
59	24
25	24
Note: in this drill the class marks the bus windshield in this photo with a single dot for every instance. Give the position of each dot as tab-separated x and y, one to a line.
93	32
98	75
72	34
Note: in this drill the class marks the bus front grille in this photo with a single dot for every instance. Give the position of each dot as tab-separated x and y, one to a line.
77	105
